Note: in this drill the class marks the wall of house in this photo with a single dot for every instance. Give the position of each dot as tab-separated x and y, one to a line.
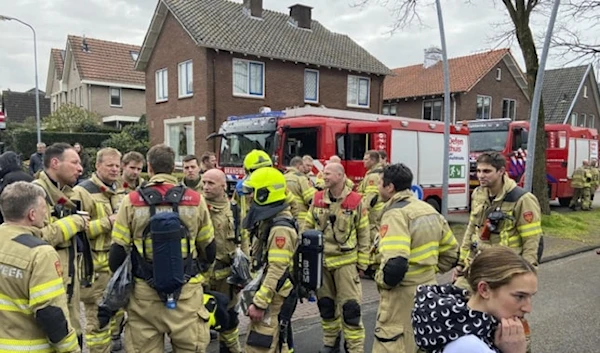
505	88
587	106
212	104
73	85
133	101
173	46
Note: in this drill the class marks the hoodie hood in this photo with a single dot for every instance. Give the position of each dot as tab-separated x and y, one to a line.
441	315
9	162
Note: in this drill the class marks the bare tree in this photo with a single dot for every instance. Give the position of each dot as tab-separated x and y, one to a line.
573	44
406	12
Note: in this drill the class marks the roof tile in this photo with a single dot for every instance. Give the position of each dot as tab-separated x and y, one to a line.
559	90
58	56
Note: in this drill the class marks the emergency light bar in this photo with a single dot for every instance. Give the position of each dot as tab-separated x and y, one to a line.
272	114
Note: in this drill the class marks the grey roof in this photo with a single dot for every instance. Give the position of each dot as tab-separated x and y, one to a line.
559	90
224	25
17	106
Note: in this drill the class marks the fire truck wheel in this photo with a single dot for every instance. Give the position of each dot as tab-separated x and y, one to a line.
564	201
434	203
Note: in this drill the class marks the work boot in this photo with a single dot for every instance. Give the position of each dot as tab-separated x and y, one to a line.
116	344
335	348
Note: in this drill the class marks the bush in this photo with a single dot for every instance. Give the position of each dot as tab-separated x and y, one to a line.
72	118
24	141
133	137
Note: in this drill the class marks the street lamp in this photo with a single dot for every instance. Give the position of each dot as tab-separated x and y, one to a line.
37	92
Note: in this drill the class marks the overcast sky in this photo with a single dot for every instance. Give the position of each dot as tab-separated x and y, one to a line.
469	29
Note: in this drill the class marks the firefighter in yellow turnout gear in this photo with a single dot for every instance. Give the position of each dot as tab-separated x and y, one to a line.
338	212
501	214
274	242
298	186
61	169
132	164
595	177
221	214
578	185
588	183
152	314
368	188
415	242
33	301
101	199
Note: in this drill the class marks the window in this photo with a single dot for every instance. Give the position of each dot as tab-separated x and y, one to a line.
311	86
509	108
498	74
186	80
115	97
389	109
591	121
432	110
573	119
300	142
134	55
358	91
352	146
585	95
248	78
81	96
582	121
179	135
162	86
484	107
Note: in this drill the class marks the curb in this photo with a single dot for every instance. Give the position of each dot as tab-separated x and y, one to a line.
569	253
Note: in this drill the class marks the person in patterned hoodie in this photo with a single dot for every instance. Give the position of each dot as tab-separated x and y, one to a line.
447	320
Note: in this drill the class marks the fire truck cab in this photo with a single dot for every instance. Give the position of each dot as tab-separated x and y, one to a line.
566	148
323	132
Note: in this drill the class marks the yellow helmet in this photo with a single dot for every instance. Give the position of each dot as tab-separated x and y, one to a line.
267	184
257	159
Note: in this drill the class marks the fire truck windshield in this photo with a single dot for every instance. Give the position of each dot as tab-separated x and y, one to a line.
487	141
234	147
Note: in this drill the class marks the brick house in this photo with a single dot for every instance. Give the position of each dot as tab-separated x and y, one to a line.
99	76
486	85
207	60
571	96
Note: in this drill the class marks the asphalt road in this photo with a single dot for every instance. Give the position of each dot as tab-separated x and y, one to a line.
565	318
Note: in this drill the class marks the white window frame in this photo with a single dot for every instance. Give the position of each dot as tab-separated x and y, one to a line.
178	121
433	101
248	93
482	113
573	119
308	99
583	119
162	85
110	89
358	80
498	74
514	110
591	121
585	92
185	71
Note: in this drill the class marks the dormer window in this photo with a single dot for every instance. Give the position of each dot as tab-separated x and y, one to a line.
134	55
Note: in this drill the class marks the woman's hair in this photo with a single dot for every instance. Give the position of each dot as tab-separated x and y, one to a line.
497	266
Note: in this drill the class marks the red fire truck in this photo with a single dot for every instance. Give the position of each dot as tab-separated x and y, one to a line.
323	132
566	148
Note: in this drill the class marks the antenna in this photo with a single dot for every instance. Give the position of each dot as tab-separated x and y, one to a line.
84	45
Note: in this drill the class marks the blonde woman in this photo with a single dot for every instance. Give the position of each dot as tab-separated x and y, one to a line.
447	320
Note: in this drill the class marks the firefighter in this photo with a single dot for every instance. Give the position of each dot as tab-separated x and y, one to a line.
100	197
368	188
501	214
595	177
209	161
320	178
588	182
191	173
299	188
339	213
34	303
577	183
62	168
275	238
410	230
383	156
227	239
307	166
131	165
185	318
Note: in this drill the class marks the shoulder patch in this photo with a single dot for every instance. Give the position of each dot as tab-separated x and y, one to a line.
29	240
280	242
528	216
383	230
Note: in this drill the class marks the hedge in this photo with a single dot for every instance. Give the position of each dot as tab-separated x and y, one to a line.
24	141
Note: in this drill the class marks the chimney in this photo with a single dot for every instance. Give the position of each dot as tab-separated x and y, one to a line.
432	56
84	45
301	15
254	7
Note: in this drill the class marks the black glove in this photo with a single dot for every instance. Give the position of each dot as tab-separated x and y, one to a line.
104	316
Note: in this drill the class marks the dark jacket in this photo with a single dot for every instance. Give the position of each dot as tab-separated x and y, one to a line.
36	163
10	171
